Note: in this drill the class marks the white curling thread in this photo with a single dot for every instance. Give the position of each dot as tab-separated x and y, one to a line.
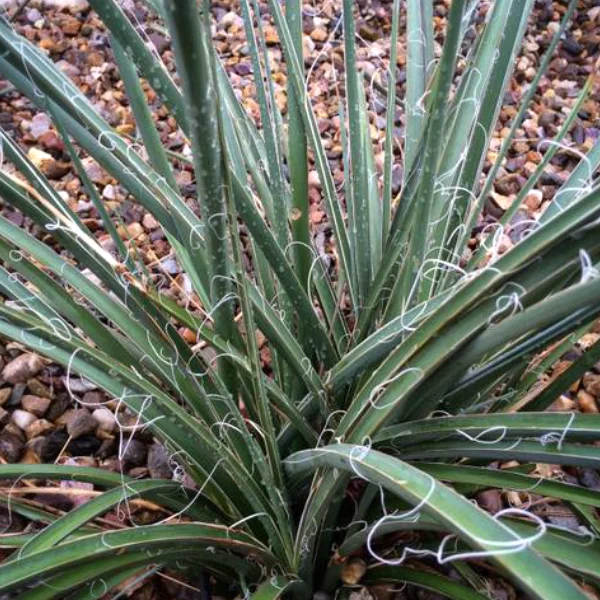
558	437
497	547
500	429
197	495
160	353
404	327
40	344
412	514
196	232
382	387
359	453
229	297
510	303
588	271
23	48
248	518
326	429
474	81
528	226
582	531
103	588
444	266
500	547
217	221
224	424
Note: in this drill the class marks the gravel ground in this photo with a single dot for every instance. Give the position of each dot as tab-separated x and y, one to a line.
44	420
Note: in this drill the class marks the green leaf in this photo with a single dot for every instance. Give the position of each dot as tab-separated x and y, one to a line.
358	208
490	427
419	26
190	41
422	578
275	587
488	478
521	450
486	535
71	522
155	539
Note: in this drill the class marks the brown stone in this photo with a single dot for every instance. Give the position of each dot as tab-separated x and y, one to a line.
38	428
11	446
353	571
587	402
319	34
490	500
561	404
5	394
35	404
22	368
37	388
80	422
591	383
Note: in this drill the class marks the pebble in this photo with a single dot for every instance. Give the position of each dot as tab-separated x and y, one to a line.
22	368
58	407
35	404
160	42
39	428
5	394
33	15
591	383
86	445
74	6
562	403
37	388
135	453
79	386
17	394
158	462
503	202
94	399
133	230
490	500
53	443
80	422
93	170
105	418
590	478
353	571
547	118
11	447
149	222
169	265
40	124
47	164
229	19
22	419
109	192
107	448
319	34
533	200
587	402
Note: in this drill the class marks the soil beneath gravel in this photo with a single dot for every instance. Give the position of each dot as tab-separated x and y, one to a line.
44	420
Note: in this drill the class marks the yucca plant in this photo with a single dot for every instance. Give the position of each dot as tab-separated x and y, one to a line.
399	379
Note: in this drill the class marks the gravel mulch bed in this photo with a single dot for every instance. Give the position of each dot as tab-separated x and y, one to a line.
47	417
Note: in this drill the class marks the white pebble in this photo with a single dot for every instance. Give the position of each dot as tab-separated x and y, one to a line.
22	419
105	418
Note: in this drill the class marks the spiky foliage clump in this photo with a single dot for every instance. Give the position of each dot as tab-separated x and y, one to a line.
377	419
